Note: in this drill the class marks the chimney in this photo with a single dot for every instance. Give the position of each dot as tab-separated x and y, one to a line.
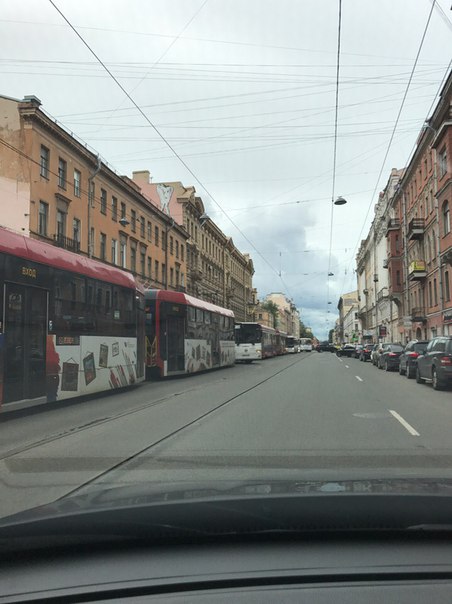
141	177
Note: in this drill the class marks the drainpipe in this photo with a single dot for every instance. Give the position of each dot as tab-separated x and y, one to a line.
90	203
405	259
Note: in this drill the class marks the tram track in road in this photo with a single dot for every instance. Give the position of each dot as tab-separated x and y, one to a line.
111	418
179	430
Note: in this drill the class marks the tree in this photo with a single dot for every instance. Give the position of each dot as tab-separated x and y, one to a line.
305	332
331	335
273	309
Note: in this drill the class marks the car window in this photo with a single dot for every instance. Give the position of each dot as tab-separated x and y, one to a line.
396	348
440	346
430	346
420	346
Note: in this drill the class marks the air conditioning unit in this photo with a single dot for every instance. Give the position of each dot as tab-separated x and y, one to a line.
385	263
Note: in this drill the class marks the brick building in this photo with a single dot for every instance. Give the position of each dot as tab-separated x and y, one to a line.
216	270
54	188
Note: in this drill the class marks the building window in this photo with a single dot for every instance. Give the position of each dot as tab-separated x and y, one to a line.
133	221
435	292
177	249
62	173
45	161
430	297
171	245
164	274
142	226
103	246
133	258
442	162
156	236
171	277
123	209
149	267
182	253
77	183
398	278
143	261
61	223
156	270
103	201
446	218
114	208
43	218
114	251
76	230
177	277
446	286
182	280
164	238
123	252
149	231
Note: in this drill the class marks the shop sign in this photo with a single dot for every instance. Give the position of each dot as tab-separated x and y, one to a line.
382	331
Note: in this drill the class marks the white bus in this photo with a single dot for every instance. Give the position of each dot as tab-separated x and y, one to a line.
305	345
254	342
292	344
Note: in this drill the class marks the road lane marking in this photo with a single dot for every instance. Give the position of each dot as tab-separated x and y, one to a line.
339	359
404	423
358	378
347	367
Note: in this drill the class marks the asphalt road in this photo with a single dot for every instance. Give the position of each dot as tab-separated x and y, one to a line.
305	416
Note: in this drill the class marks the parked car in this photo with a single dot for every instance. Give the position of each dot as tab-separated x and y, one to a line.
347	350
366	351
325	347
357	351
408	358
389	356
435	365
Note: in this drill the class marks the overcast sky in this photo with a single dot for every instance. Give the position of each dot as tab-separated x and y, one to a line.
244	91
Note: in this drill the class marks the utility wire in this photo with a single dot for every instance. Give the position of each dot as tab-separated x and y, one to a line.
157	131
395	127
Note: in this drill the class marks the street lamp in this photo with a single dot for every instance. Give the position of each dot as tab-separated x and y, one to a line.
340	201
123	221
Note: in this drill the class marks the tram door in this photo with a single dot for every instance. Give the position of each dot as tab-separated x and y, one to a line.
25	342
176	351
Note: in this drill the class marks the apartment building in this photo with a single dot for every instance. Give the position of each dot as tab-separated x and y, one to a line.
53	187
216	270
377	309
416	219
348	327
288	319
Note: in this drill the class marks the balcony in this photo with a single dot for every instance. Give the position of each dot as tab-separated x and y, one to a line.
416	228
418	315
393	225
65	242
417	270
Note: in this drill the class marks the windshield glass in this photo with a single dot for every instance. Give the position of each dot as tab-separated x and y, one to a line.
248	334
211	212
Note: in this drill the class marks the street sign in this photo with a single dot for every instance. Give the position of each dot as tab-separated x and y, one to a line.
382	332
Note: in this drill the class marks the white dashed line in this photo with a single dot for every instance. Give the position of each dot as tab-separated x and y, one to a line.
347	367
358	378
404	423
339	359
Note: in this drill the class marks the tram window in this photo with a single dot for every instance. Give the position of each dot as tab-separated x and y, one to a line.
191	314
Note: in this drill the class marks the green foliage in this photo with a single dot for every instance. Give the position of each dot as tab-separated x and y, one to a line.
271	308
305	332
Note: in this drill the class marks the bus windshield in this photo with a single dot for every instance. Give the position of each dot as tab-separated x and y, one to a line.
248	333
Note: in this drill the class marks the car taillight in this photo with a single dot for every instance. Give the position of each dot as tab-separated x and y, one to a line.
446	361
413	355
392	354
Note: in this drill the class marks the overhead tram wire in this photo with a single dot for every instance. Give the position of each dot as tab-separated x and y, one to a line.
181	160
395	127
334	147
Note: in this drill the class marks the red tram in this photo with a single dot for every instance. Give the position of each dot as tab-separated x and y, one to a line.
69	326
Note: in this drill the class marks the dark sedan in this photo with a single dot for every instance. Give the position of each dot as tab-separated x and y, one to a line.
325	347
366	351
408	358
348	350
389	357
435	365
